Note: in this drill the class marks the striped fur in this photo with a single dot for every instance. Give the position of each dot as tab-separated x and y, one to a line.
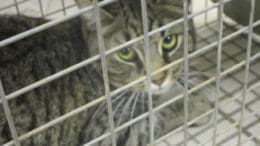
46	53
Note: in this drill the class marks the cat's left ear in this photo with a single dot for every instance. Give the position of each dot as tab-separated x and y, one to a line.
89	17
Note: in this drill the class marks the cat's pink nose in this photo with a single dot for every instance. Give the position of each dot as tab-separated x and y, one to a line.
159	78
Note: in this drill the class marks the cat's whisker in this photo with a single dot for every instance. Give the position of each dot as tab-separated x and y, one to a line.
197	80
132	113
102	108
91	68
114	98
142	102
123	112
119	105
133	108
140	96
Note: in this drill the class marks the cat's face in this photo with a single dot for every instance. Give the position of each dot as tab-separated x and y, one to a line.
122	22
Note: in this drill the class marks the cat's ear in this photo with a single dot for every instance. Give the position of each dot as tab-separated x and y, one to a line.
215	1
89	17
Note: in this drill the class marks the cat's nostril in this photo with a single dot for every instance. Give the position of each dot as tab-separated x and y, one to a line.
158	79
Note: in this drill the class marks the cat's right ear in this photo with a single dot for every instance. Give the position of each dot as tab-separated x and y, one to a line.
89	17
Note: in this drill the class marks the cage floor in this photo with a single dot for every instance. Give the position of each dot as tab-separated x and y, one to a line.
234	51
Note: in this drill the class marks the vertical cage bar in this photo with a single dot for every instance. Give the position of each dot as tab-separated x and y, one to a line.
63	7
17	7
218	73
186	70
105	72
41	8
148	70
206	13
8	115
247	66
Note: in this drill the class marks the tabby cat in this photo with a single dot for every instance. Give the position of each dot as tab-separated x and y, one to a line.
59	47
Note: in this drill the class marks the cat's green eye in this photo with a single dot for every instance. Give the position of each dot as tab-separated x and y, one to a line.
169	43
127	54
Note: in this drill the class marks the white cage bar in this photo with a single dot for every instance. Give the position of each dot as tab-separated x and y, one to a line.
105	73
249	47
8	115
218	77
148	70
186	70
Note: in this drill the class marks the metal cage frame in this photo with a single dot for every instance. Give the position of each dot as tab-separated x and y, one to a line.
145	37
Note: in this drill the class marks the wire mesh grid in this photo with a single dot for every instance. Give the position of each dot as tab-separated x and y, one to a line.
39	8
229	111
230	47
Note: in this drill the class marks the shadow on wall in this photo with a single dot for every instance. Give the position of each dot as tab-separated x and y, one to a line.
239	11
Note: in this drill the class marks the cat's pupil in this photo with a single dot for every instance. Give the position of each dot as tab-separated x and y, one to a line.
127	54
125	51
168	39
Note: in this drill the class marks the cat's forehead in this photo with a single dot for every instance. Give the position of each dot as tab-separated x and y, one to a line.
127	16
156	9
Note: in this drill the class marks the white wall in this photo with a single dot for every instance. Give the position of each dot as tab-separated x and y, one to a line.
198	5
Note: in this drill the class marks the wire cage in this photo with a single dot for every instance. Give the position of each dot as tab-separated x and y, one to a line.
229	52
